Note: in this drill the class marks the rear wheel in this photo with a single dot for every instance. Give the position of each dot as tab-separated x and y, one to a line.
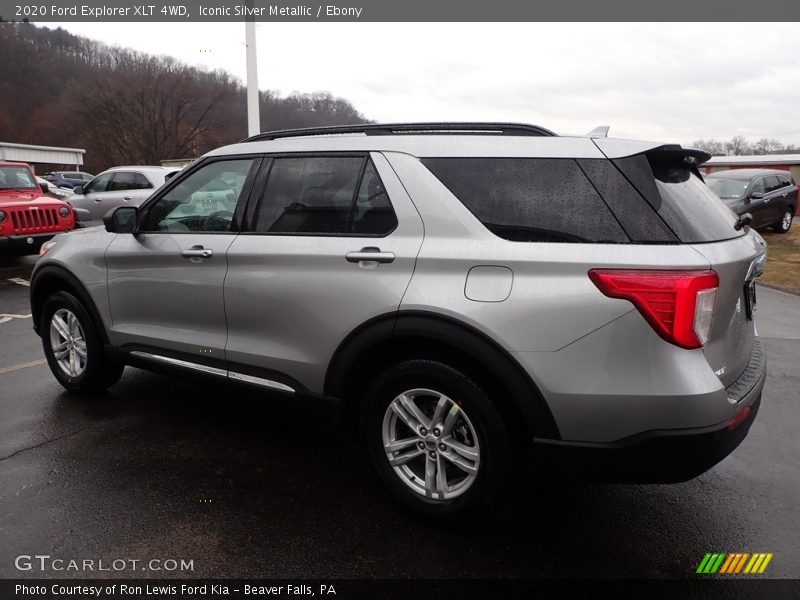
435	439
785	224
73	347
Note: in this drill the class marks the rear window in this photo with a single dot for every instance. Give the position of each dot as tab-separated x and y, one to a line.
727	188
691	210
530	199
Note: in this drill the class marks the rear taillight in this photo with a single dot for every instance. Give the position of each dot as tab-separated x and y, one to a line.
679	305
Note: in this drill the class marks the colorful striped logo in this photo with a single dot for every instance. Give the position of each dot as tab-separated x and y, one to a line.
734	563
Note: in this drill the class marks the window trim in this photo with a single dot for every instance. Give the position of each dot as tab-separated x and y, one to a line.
249	224
247	190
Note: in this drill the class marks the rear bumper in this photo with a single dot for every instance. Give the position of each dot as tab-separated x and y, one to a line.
665	456
18	245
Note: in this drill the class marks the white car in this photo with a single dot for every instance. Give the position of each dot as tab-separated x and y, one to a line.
119	186
53	190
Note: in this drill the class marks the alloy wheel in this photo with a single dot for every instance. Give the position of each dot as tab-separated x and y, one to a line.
431	444
68	342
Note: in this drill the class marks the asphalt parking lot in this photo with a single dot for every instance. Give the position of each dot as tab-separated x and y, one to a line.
247	485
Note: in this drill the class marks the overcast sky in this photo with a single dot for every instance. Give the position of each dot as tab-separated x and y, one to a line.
662	81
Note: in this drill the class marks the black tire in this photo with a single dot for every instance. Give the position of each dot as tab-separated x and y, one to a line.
784	225
99	371
483	417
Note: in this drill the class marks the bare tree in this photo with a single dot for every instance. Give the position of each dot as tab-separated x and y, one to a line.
148	108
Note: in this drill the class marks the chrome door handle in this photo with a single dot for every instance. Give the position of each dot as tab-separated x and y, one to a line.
197	252
370	255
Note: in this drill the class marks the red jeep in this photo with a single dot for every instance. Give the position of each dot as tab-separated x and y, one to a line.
28	217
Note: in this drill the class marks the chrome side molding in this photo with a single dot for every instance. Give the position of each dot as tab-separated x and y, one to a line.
214	371
259	381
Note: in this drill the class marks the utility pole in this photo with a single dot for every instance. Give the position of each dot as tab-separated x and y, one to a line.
253	116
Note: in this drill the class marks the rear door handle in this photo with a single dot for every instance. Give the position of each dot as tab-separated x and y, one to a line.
126	198
370	254
197	252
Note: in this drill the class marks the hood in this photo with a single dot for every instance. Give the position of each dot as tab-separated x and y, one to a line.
31	197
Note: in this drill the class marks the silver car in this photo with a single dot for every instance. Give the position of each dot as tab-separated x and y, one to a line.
119	186
474	294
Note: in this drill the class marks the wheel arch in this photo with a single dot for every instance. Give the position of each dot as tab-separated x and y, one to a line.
53	278
418	334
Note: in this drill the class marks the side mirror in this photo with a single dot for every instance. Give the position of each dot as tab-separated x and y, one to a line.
78	189
123	219
756	196
45	187
743	221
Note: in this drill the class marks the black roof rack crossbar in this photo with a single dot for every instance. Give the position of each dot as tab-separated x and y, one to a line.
408	128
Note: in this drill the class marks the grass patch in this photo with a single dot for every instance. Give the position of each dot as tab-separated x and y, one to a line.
783	258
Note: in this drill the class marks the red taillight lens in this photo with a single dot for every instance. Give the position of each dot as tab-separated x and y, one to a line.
679	305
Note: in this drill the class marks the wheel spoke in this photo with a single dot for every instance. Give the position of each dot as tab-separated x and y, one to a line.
414	410
61	326
406	418
60	351
441	477
402	459
397	445
451	419
80	348
71	324
467	452
430	477
441	410
73	363
462	463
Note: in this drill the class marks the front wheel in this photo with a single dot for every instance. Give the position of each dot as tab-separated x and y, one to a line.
785	223
73	347
435	439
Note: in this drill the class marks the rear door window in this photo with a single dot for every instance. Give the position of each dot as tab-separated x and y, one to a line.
129	180
324	195
772	183
530	199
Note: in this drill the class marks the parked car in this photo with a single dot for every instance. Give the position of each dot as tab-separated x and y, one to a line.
28	217
52	190
117	187
68	179
770	196
469	292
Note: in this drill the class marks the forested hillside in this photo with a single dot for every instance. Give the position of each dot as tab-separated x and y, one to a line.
126	107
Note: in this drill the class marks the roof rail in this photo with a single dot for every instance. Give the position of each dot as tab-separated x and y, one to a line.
409	128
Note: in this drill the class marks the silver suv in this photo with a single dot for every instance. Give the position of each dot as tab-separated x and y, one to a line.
469	291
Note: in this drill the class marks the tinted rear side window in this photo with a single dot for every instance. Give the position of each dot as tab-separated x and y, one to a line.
530	199
692	211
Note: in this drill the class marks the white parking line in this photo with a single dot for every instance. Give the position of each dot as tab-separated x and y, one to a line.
20	281
33	363
6	317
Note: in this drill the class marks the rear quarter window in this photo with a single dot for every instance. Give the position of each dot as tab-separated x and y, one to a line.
530	199
691	210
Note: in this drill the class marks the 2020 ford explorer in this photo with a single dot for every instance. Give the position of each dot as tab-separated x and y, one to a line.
469	292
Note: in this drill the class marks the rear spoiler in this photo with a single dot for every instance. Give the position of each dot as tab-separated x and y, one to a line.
614	148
